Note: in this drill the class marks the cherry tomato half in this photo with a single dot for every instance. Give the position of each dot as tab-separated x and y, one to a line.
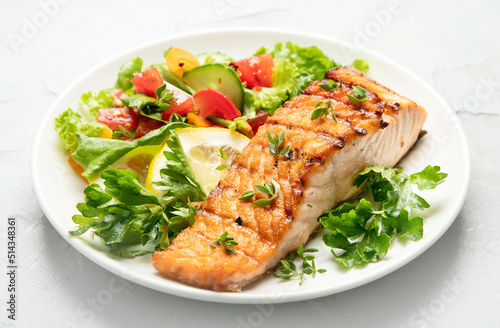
181	104
116	117
117	94
146	125
147	81
210	102
256	71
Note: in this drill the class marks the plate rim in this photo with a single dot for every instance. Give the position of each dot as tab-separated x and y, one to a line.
242	298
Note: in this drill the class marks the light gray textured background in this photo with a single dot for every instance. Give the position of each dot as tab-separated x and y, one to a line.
453	45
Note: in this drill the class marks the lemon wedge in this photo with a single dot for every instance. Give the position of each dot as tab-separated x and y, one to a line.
202	148
138	160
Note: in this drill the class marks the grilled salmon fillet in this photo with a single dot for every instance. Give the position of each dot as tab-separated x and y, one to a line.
314	175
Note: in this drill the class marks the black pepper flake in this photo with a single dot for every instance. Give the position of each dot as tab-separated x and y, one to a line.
238	221
288	155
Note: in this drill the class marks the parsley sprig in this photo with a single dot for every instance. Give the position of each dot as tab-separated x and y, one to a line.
163	97
360	95
392	189
271	189
289	270
323	108
128	217
151	107
177	178
226	242
275	143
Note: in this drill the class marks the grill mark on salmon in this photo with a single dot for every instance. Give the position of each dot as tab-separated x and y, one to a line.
318	170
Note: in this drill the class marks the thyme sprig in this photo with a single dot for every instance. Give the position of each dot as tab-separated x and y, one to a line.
226	242
323	108
289	270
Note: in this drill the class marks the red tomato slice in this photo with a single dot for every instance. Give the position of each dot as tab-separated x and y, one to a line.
116	117
117	94
181	104
210	102
147	81
146	125
256	71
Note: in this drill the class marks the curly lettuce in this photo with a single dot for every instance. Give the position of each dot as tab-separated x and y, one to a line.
297	67
69	123
91	102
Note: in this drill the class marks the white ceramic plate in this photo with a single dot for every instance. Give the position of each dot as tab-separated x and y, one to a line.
59	189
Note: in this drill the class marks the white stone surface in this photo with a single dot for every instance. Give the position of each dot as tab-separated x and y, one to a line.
452	45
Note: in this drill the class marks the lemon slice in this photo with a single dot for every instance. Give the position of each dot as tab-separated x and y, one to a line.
138	160
201	146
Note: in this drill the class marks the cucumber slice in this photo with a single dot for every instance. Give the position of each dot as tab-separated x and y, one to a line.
216	77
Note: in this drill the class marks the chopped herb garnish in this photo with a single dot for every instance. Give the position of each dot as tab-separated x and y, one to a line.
323	108
332	85
225	242
360	95
247	195
289	269
275	143
164	95
222	154
271	189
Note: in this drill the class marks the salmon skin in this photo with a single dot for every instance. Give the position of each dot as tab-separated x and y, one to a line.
315	174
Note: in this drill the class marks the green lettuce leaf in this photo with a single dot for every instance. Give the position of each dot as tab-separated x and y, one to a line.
96	154
127	72
139	100
361	65
213	57
312	63
92	102
284	86
69	123
297	68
